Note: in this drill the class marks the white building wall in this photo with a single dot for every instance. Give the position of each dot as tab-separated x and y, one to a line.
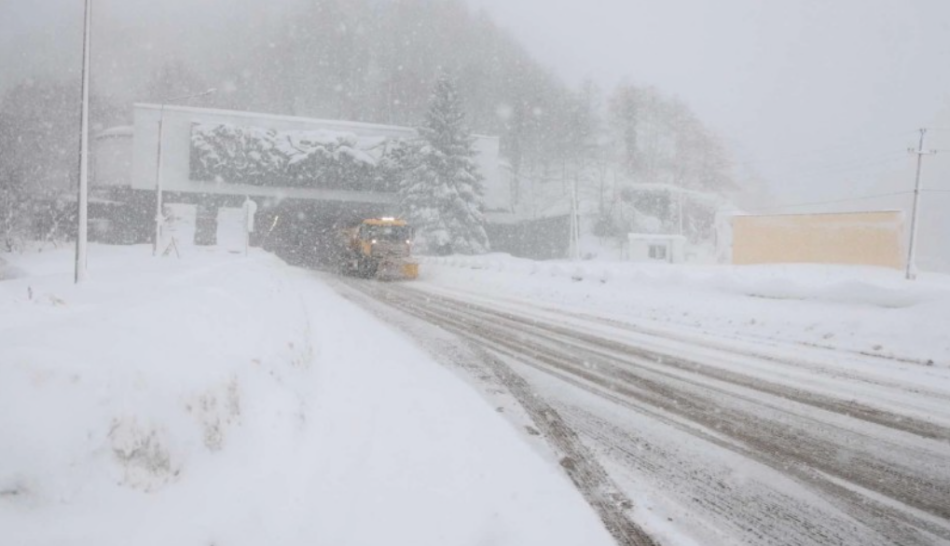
112	158
674	248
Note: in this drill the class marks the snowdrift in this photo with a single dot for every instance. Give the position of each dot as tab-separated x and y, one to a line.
864	309
226	400
145	394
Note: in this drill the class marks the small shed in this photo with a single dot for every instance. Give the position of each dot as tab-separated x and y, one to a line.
655	247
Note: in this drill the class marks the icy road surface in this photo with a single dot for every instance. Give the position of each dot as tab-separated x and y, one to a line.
704	439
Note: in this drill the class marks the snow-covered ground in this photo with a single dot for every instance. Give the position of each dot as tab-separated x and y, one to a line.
867	310
792	405
224	399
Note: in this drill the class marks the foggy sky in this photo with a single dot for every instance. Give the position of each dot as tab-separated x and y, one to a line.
820	99
775	78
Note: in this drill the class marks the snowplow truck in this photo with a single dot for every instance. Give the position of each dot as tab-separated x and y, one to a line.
379	248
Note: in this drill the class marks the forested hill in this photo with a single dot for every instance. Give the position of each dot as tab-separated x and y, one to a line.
374	61
377	60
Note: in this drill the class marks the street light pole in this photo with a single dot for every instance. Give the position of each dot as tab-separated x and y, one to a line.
82	202
159	215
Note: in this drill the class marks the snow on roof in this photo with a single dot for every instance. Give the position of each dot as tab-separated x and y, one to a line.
343	124
274	117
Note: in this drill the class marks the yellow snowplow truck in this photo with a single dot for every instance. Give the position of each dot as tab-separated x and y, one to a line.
379	248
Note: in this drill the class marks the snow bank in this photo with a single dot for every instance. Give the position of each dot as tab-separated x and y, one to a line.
844	284
7	271
219	399
420	458
865	309
130	407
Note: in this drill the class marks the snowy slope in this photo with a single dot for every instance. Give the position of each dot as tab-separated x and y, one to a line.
230	400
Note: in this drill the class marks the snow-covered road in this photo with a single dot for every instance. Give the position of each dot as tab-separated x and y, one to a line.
706	438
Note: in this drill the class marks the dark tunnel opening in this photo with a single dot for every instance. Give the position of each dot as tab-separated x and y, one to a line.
306	233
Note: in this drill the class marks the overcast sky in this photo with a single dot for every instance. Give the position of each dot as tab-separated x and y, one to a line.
778	79
820	98
810	94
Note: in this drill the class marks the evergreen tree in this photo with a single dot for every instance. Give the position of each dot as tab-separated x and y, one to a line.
442	193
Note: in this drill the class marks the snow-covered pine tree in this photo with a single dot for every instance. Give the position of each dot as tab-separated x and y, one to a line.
442	194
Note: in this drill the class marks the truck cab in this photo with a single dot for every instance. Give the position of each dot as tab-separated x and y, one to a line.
380	248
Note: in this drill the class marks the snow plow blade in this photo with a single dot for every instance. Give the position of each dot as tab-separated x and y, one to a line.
394	271
410	271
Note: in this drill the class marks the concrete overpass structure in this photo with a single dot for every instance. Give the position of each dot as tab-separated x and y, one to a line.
126	163
179	123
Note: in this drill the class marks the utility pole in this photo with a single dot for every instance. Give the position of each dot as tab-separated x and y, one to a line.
911	272
159	214
82	201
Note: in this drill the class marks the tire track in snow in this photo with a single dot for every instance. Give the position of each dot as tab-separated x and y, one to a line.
759	352
784	446
590	478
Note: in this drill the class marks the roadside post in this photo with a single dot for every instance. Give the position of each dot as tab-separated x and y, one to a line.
250	209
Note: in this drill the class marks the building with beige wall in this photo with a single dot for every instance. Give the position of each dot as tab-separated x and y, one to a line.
860	238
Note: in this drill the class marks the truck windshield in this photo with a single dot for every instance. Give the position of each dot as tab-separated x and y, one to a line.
386	233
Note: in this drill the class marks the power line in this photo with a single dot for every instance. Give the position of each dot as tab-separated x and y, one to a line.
884	159
854	160
849	199
813	151
835	201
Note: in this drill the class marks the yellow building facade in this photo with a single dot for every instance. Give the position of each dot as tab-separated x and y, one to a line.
859	238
